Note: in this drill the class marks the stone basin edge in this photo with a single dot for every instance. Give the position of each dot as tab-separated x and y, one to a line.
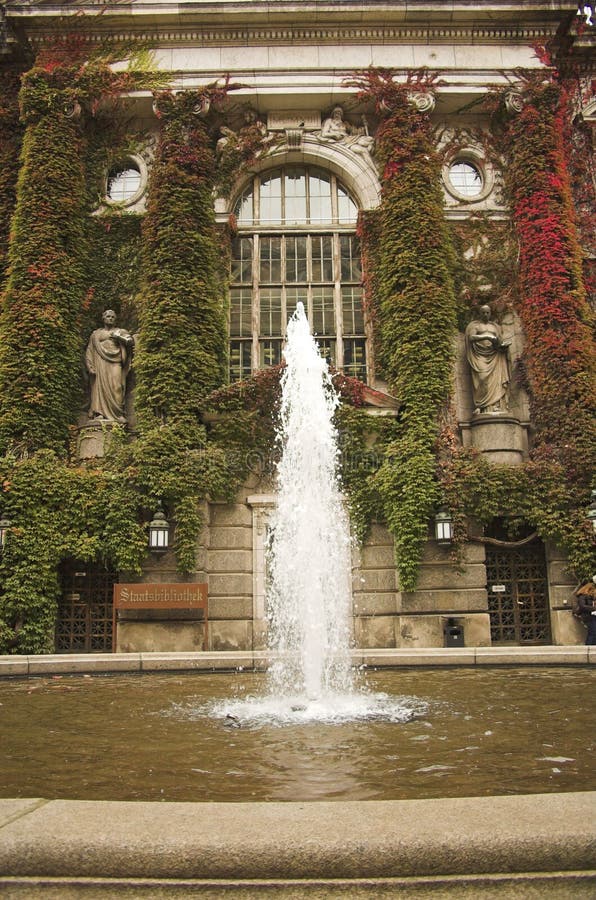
258	660
76	839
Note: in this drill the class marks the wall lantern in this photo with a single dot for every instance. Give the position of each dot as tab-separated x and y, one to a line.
159	532
591	511
4	526
443	527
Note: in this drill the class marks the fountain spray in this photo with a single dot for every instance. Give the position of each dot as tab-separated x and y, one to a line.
309	560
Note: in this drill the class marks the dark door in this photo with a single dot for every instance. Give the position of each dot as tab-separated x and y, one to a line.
518	594
84	622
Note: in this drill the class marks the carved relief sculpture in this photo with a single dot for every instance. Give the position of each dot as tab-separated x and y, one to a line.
107	359
336	129
486	352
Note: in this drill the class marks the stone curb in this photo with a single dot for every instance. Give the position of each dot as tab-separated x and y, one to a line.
539	833
258	660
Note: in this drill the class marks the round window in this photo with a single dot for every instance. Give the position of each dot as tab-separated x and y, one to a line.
465	179
124	182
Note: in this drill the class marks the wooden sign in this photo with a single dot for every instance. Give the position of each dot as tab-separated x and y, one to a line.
159	596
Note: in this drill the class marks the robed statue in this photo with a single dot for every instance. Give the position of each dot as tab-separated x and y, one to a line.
486	352
108	358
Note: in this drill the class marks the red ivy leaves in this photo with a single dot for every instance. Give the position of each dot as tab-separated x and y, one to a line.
559	353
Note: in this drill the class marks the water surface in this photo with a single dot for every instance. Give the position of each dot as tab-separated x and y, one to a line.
468	732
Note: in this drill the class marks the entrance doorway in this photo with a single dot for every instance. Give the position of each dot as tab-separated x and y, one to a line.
518	594
84	622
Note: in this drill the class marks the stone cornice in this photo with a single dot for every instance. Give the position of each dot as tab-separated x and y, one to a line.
38	32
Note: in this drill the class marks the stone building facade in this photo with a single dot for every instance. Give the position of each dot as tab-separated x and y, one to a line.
292	62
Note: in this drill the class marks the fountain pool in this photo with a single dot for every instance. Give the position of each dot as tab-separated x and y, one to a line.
471	732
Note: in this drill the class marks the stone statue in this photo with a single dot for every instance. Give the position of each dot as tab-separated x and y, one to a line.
227	137
108	358
335	128
486	352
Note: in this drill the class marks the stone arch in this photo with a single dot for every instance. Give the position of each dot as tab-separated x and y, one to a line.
356	171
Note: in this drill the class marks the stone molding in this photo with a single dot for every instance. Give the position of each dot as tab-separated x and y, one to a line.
330	34
357	171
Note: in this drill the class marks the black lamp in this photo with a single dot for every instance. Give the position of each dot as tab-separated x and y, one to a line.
443	527
159	532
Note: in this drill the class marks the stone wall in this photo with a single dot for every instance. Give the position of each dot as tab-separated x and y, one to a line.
231	559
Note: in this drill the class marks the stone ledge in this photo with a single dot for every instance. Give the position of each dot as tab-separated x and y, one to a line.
541	833
230	660
547	655
552	885
220	661
71	663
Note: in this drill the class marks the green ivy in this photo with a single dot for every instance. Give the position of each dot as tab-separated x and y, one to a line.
40	346
551	490
57	509
11	136
182	313
414	308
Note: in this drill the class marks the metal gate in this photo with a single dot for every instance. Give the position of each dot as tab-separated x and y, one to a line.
84	622
518	595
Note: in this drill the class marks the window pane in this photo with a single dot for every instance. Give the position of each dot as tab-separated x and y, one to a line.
269	353
244	209
353	317
465	178
270	197
123	183
295	196
242	260
239	360
270	311
327	350
322	257
240	312
323	311
296	259
293	295
351	268
270	253
320	198
355	358
346	209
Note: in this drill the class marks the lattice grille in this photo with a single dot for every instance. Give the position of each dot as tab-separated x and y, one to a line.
518	595
84	622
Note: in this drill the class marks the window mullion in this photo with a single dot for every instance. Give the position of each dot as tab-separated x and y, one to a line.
339	348
334	203
256	302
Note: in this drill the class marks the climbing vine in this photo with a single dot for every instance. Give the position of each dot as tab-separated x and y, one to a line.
56	509
11	135
182	312
551	490
414	307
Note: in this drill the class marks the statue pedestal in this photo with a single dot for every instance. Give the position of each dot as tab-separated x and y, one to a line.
94	438
501	437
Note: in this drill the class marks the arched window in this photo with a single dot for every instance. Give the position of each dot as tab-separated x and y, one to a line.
296	242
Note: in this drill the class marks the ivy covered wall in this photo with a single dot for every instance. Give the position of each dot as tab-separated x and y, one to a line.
165	273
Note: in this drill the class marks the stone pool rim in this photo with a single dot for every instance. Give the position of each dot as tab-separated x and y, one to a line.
258	660
518	841
507	843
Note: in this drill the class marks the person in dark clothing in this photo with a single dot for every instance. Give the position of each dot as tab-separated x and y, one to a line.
586	609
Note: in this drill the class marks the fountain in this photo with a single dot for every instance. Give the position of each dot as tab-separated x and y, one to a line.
309	593
312	728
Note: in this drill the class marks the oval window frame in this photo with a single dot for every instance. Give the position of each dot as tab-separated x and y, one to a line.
477	160
130	161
